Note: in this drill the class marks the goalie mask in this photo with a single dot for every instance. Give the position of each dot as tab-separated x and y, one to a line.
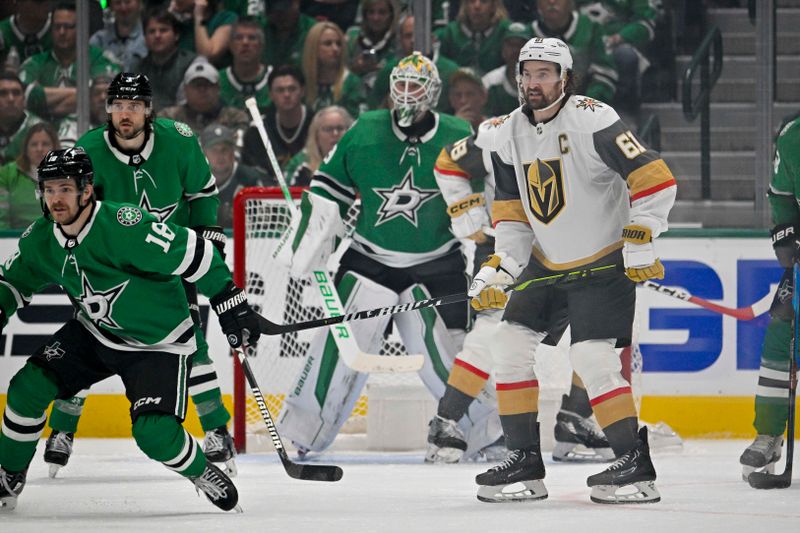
552	50
414	87
69	163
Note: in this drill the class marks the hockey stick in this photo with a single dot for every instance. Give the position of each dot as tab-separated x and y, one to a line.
741	313
270	328
295	470
765	480
349	352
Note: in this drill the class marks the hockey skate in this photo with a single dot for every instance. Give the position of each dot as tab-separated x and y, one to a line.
11	485
446	443
761	455
58	450
630	479
218	488
580	439
518	478
218	448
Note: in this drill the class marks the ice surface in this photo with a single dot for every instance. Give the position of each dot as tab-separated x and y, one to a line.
110	485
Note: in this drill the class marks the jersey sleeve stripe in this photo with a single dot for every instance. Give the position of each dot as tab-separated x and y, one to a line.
778	192
445	165
200	263
191	244
20	299
333	183
508	211
450	171
650	178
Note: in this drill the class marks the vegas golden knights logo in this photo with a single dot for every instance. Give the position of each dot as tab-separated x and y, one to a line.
545	188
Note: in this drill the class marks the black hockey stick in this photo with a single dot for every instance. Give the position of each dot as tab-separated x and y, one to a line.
271	328
295	470
765	480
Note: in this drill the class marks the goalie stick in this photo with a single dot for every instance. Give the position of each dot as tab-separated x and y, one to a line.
349	352
295	470
765	480
741	313
271	328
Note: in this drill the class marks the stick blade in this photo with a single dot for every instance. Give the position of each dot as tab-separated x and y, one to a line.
389	364
764	480
313	472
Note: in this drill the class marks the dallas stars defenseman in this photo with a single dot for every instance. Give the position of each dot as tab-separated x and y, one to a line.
158	165
402	250
122	268
462	170
561	163
771	403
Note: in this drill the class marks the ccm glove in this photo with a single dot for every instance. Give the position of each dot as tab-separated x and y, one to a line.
216	235
237	319
486	290
639	255
785	244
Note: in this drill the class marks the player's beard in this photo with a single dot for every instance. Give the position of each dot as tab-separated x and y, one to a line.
130	131
539	99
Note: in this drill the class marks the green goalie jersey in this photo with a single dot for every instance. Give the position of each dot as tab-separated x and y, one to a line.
403	219
784	190
170	177
122	263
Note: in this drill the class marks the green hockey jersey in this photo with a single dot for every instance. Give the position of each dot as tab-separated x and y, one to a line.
784	190
403	219
233	92
479	51
170	177
11	36
123	274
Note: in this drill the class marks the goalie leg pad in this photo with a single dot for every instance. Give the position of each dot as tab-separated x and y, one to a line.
326	389
313	238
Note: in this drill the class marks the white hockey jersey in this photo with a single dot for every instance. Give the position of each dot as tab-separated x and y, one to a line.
574	182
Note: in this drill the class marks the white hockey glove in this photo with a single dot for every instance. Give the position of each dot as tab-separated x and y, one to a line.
468	216
486	290
639	255
313	237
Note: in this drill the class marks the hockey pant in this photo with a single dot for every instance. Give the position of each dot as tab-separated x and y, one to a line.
203	388
159	435
327	389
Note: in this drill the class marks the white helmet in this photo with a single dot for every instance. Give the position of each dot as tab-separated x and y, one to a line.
547	49
420	70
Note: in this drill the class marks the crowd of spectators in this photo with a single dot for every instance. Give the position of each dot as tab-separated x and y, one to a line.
312	66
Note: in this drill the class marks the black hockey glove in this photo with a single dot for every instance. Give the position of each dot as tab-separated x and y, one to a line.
216	235
785	243
237	319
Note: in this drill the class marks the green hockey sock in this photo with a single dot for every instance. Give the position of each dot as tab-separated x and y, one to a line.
66	414
162	438
30	392
772	394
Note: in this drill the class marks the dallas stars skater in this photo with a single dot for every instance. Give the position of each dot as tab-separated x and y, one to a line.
574	189
158	165
123	270
402	250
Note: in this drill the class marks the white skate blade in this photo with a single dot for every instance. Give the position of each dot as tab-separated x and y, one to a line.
443	455
747	470
53	471
238	509
522	491
641	492
230	467
8	504
571	452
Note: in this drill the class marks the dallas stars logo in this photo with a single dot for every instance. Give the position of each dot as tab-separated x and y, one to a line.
403	200
53	351
99	305
162	214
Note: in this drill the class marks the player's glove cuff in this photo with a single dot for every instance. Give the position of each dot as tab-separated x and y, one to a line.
499	269
468	215
216	235
237	319
785	243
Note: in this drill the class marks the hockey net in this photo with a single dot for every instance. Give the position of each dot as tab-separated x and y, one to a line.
261	217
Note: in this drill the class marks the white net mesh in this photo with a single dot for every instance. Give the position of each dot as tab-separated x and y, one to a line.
278	360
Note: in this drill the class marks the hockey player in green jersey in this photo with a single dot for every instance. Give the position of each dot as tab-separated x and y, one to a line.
159	166
402	250
772	394
123	270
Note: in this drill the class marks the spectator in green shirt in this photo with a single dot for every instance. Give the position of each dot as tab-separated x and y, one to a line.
474	39
247	76
328	81
14	119
501	83
285	30
51	75
27	31
205	28
369	44
19	206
